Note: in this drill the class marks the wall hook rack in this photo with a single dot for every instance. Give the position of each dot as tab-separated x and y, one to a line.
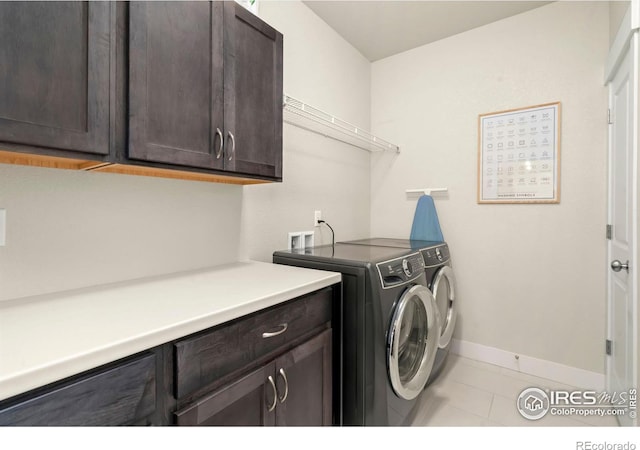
426	191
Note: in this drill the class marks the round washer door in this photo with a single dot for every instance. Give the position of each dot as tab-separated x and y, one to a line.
412	341
444	292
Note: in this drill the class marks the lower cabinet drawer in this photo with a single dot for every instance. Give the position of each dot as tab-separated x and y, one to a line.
205	358
118	395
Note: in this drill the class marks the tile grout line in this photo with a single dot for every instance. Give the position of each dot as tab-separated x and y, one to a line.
491	406
510	373
514	377
445	392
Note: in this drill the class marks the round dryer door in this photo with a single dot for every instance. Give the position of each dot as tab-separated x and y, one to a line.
443	288
412	342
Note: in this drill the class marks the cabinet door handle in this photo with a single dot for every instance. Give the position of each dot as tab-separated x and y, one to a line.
221	148
275	394
286	385
269	334
233	145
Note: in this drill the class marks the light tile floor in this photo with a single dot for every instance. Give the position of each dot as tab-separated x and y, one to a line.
473	393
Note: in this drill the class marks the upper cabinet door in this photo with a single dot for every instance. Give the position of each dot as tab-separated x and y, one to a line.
55	74
176	83
253	94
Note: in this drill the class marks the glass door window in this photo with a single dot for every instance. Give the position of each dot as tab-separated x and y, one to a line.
412	341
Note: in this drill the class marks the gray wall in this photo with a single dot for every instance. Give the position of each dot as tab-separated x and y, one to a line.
531	278
72	229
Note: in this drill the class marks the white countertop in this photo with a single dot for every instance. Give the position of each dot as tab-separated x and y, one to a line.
50	337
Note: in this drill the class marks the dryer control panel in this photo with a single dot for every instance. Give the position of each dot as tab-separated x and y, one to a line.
400	270
436	256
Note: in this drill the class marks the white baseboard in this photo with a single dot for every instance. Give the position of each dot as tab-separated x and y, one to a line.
550	370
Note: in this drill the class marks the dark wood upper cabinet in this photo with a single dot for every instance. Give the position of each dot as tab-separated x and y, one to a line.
55	74
55	60
253	94
176	83
180	89
205	87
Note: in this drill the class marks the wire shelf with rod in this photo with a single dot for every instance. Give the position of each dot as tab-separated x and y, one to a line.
307	117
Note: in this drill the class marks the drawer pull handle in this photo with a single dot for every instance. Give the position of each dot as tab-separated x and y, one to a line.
286	385
283	328
275	394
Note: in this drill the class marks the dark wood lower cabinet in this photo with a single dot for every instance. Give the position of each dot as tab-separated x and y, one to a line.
122	394
244	402
240	345
305	375
294	389
282	377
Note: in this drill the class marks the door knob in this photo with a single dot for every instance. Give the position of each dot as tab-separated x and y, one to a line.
617	266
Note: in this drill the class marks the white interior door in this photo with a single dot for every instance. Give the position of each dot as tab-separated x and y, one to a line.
622	298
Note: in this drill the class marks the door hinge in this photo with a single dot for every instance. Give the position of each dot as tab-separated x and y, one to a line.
609	118
609	231
608	345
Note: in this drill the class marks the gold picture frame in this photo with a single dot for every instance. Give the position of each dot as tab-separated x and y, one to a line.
519	155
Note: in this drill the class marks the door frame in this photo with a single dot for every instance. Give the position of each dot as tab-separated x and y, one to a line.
627	40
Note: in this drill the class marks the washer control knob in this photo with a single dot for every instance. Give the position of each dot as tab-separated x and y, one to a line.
406	267
439	254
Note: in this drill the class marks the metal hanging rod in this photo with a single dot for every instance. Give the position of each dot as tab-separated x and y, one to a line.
318	121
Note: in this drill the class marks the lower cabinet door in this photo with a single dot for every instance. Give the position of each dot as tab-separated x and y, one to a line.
122	394
249	401
294	389
304	387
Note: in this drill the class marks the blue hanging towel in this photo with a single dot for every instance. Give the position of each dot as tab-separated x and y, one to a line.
426	226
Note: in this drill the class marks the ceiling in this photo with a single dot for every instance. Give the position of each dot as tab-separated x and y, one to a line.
383	28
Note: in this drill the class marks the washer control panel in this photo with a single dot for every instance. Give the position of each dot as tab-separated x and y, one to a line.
436	256
400	270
